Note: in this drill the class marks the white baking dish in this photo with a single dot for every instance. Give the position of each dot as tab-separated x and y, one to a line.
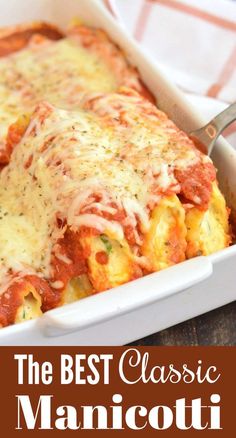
159	300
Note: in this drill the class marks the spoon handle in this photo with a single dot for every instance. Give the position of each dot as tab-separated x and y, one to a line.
211	131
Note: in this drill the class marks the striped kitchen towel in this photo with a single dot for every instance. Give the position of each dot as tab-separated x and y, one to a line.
193	42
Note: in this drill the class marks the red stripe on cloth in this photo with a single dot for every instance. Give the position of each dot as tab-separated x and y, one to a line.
213	19
109	7
143	17
224	76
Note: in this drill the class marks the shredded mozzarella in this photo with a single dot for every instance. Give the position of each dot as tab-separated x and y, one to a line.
86	160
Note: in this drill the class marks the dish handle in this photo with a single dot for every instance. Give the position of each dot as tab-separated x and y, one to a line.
104	306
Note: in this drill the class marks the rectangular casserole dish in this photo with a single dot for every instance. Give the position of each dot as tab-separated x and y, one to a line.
159	300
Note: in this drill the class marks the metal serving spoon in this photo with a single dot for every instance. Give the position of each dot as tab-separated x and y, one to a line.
205	138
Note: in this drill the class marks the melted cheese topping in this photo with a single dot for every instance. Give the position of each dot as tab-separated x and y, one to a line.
59	71
71	162
151	142
71	166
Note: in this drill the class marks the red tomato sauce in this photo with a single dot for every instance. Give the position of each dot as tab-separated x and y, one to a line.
102	257
13	298
70	248
196	181
14	135
10	301
50	297
19	39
